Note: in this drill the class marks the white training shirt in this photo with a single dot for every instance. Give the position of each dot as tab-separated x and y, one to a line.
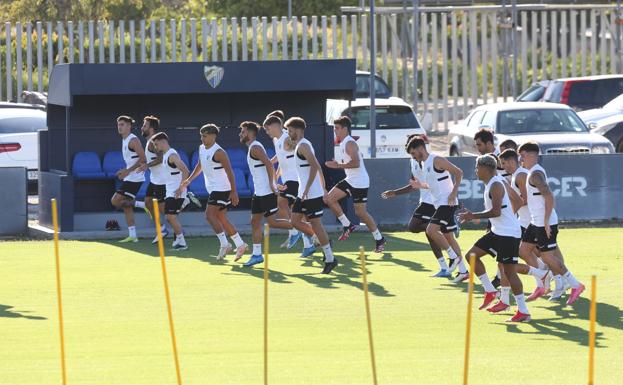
439	182
287	164
261	182
173	175
130	158
536	202
506	225
356	177
418	173
523	213
214	174
302	169
157	172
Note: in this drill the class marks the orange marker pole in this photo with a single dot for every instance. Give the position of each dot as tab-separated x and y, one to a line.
468	323
166	291
364	274
58	290
266	253
591	335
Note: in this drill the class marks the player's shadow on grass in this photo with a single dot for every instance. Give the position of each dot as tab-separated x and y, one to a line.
6	312
257	271
607	315
555	327
348	272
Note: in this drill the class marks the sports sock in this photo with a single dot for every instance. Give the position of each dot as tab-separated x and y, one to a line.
505	292
343	220
559	284
571	279
486	283
462	267
328	253
222	238
307	242
139	204
442	263
451	253
132	231
537	272
541	265
377	235
292	232
257	249
237	240
180	239
521	303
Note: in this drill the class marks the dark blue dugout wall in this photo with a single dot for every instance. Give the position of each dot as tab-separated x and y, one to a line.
85	99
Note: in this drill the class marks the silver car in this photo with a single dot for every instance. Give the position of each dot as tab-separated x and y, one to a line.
555	127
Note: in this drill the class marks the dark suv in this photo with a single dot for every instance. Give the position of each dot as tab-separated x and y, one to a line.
581	93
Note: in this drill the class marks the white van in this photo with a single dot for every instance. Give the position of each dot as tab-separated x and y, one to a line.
395	120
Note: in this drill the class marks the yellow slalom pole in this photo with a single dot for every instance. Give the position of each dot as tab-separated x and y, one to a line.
58	290
591	338
166	290
266	253
468	324
364	274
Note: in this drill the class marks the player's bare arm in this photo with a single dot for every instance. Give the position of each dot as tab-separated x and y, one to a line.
497	195
537	179
444	164
221	156
352	149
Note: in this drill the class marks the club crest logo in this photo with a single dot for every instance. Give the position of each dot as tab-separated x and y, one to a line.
214	75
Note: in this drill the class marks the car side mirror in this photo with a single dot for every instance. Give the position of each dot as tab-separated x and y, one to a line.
592	126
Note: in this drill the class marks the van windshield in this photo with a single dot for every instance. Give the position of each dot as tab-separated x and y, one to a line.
387	117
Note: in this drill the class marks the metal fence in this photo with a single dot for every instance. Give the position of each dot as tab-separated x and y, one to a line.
464	55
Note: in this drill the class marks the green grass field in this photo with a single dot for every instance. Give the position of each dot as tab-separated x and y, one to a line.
117	330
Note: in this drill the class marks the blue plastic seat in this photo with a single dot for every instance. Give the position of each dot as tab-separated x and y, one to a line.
140	195
113	162
193	160
241	183
198	187
238	158
184	157
86	165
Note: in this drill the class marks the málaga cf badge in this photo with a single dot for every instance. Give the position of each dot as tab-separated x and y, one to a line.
214	75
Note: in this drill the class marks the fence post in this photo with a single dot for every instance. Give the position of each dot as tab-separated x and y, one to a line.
132	26
81	42
39	61
173	27
264	38
18	60
284	38
29	55
163	41
183	46
121	41
295	38
334	35
274	24
214	30
204	38
304	49
91	42
193	39
70	42
143	47
593	53
153	41
59	41
245	45
484	57
111	42
323	21
254	37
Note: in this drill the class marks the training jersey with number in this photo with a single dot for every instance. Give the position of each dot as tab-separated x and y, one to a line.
439	182
157	175
302	169
524	212
130	157
261	183
505	225
356	177
418	173
287	164
173	174
536	202
214	174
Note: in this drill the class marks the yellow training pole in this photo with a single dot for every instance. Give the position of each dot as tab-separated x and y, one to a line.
364	274
591	338
266	252
58	290
166	290
468	325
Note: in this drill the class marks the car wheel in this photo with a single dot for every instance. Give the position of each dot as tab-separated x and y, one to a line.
454	151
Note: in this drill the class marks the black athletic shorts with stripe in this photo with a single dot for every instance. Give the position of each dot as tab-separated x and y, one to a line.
444	217
504	249
292	188
537	236
424	212
158	191
360	195
129	189
266	204
311	208
219	198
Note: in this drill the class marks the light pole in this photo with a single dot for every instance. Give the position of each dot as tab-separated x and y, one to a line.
416	27
372	82
289	10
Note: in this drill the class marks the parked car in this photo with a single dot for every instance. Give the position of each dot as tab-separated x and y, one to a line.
395	120
607	121
580	93
555	127
18	138
363	86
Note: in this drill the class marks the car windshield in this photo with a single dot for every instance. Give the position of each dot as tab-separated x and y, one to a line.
532	94
20	124
539	121
387	117
363	87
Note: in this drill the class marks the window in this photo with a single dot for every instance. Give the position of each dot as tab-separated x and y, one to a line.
21	124
474	121
387	117
363	87
533	121
489	119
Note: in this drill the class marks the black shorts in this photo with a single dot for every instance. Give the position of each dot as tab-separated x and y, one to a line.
311	208
523	231
266	204
537	236
424	211
129	189
444	217
219	198
158	191
504	249
292	188
173	206
360	195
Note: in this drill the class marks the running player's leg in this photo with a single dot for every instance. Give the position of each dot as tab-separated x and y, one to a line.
362	213
124	199
256	236
459	263
232	232
505	290
172	208
213	219
337	193
478	251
